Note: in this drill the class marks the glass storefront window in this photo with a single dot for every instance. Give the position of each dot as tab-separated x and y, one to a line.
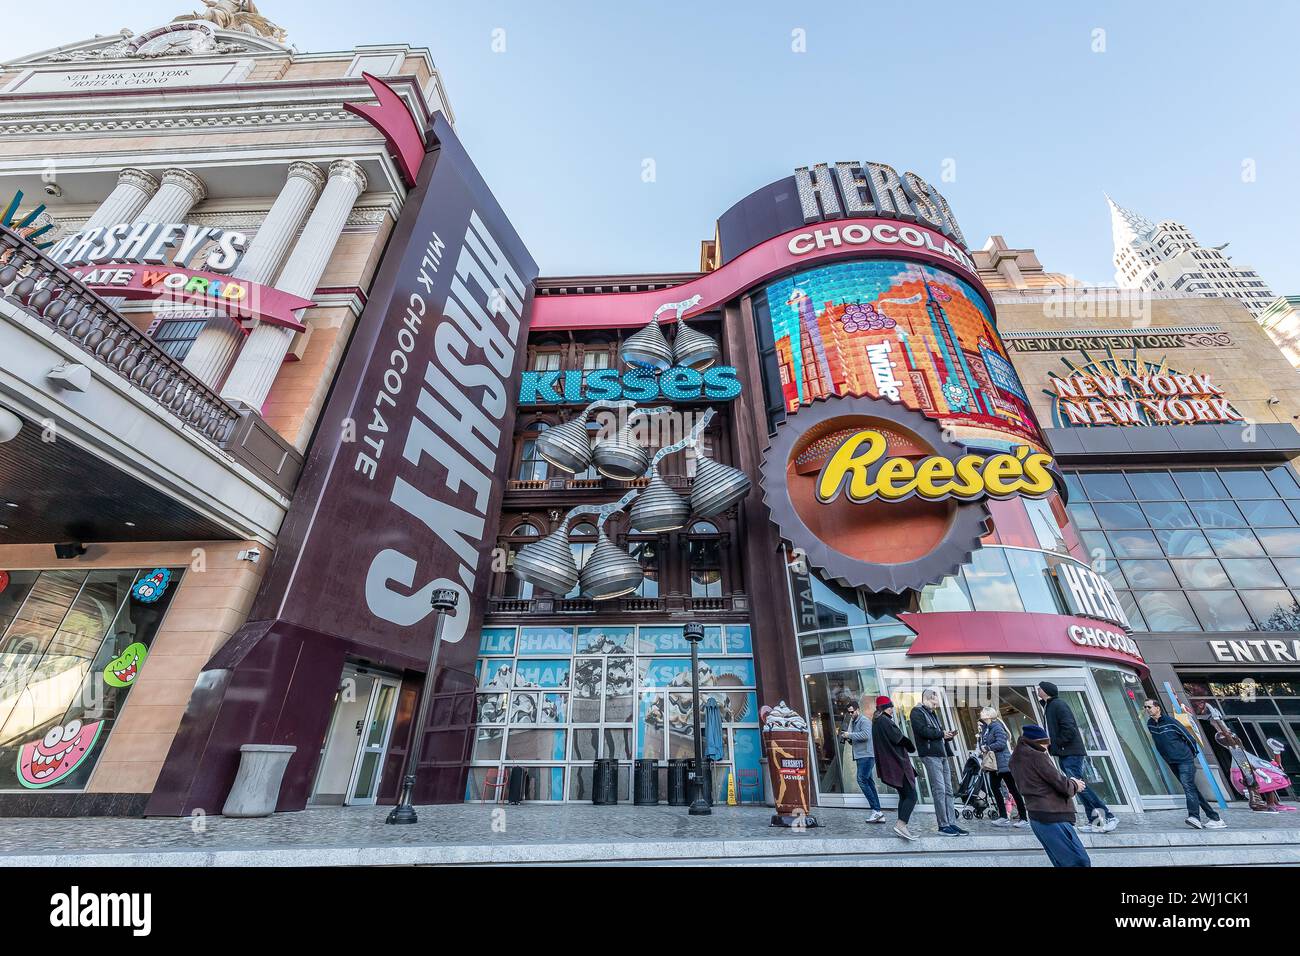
555	698
1123	696
71	647
1229	536
988	578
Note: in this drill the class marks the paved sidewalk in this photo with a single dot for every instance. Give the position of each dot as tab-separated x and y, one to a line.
578	833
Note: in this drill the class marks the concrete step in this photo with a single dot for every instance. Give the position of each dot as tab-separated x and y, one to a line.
1134	846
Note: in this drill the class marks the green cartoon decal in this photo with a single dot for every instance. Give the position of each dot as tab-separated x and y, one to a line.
121	671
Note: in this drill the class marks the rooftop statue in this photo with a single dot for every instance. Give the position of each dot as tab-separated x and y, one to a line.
238	15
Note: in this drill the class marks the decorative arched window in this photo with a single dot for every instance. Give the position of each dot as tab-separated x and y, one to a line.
532	466
704	555
645	548
582	540
520	536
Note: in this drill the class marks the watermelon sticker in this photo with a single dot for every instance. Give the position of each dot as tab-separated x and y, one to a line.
121	671
45	762
152	586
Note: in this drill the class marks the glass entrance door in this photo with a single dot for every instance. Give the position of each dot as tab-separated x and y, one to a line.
352	753
374	742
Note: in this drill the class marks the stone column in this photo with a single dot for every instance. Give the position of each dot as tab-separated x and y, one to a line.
263	353
134	189
214	349
180	191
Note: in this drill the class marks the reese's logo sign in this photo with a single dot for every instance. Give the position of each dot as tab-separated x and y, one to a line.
878	496
862	469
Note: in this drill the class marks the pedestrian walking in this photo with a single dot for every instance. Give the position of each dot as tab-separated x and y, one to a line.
857	731
932	748
995	760
1068	746
1049	798
1179	749
894	763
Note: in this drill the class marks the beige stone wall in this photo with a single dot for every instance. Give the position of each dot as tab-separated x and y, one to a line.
1251	370
208	607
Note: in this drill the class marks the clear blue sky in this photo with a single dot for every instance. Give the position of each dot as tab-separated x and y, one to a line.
1037	123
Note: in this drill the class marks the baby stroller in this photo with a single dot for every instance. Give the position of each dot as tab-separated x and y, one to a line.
973	793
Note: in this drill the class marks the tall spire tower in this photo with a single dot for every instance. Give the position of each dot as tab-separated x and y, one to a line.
1165	257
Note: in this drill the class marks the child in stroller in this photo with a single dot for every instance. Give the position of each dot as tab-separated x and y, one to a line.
973	792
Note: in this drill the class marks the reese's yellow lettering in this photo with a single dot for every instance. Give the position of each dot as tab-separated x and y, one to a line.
849	470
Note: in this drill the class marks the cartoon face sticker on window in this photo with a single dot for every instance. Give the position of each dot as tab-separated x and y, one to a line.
122	671
44	762
152	586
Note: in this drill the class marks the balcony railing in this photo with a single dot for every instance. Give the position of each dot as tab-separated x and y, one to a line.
560	483
46	291
632	604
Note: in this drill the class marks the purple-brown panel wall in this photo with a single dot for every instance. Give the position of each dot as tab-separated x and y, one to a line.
398	497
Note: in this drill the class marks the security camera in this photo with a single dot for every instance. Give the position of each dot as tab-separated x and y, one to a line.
252	555
10	425
53	189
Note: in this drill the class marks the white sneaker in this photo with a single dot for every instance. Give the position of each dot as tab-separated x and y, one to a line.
1021	824
901	829
1109	824
1002	822
876	817
1195	823
1215	825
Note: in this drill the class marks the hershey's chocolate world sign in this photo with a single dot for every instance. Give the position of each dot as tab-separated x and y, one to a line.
404	499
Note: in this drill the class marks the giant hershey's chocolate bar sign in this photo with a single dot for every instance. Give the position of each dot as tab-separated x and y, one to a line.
424	409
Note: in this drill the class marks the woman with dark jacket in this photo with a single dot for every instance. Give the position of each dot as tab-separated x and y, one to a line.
893	765
994	739
1049	795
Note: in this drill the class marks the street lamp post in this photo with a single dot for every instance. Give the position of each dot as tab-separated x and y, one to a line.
694	633
444	602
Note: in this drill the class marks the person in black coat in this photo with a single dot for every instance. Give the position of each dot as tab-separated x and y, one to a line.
893	763
1069	747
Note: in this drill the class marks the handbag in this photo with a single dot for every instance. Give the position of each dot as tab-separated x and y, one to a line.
989	759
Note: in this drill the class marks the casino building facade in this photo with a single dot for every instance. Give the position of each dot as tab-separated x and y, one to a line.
192	220
1173	420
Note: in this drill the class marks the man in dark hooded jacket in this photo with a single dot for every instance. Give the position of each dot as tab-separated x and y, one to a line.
1049	798
1067	745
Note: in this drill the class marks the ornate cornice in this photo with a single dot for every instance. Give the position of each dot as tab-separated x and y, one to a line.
190	119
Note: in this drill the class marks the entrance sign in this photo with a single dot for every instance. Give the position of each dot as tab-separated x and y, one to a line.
1036	635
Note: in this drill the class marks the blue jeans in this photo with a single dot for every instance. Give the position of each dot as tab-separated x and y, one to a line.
1186	771
1063	846
865	783
1073	767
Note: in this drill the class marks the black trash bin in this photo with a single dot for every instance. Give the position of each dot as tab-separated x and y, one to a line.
604	782
677	792
645	783
708	779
